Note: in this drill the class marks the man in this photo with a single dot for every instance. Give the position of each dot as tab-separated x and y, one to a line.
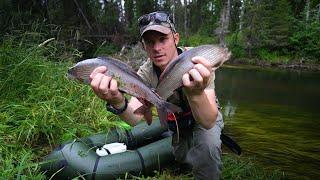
196	139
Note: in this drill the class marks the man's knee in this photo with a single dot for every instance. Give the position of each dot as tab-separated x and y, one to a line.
205	161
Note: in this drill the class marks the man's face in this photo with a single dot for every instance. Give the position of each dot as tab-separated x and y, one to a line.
161	48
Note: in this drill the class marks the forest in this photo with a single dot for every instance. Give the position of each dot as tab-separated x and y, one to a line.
40	39
258	31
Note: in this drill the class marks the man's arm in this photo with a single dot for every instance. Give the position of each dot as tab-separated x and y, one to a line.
204	108
106	89
128	115
201	100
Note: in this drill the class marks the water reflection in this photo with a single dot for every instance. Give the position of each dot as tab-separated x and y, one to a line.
229	109
274	117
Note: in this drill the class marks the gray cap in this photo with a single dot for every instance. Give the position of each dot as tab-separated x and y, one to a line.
155	27
155	24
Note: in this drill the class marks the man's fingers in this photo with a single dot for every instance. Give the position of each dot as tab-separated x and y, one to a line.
98	70
95	82
104	84
186	80
201	60
196	76
113	87
205	73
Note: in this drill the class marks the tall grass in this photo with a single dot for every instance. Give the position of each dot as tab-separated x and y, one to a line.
41	108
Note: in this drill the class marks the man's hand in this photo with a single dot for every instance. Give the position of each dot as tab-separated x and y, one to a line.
106	88
198	78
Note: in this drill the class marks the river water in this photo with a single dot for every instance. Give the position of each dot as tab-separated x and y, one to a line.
274	116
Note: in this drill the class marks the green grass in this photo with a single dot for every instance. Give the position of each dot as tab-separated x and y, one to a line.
272	57
40	108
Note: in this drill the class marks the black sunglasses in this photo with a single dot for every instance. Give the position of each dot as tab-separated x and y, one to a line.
156	17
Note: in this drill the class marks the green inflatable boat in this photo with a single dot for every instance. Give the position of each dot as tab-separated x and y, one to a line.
147	151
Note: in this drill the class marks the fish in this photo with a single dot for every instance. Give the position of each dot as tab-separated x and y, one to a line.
129	82
171	78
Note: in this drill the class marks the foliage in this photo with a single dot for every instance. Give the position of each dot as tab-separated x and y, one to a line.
40	108
235	43
272	57
197	39
305	39
106	49
280	26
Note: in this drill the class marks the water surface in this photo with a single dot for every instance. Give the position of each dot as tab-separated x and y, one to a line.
274	116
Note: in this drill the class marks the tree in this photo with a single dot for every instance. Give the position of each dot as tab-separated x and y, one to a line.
129	12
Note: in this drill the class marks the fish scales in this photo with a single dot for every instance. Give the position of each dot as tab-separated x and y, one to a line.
128	81
171	77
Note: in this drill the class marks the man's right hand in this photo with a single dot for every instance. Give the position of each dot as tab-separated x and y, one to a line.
106	88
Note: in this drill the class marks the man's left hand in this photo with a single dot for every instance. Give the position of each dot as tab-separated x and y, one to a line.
198	78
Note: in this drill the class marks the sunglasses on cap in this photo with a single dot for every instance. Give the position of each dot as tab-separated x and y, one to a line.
160	18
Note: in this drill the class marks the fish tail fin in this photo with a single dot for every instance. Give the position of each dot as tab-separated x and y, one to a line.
226	57
165	108
169	107
162	116
148	116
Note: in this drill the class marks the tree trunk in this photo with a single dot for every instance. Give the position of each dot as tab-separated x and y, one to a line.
307	11
319	12
224	22
185	18
172	8
129	12
241	16
82	14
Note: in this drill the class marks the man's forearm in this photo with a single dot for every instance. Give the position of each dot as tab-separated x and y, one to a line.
204	108
128	115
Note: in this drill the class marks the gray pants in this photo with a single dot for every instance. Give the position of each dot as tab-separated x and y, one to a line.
200	149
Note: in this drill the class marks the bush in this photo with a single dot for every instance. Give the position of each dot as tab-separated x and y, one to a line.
106	49
272	57
197	39
305	40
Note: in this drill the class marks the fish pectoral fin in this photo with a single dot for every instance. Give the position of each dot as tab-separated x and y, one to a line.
145	109
140	110
146	105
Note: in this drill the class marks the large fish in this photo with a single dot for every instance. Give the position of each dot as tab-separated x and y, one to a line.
128	81
171	78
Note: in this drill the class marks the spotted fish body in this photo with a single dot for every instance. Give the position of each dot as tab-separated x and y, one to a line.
128	81
171	78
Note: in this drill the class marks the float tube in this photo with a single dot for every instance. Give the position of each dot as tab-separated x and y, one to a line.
149	149
78	158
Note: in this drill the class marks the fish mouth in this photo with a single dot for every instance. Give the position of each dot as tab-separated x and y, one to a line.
70	75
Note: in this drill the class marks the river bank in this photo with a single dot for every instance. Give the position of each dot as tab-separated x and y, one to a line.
292	66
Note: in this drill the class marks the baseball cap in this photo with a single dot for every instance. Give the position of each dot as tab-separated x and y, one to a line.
158	21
